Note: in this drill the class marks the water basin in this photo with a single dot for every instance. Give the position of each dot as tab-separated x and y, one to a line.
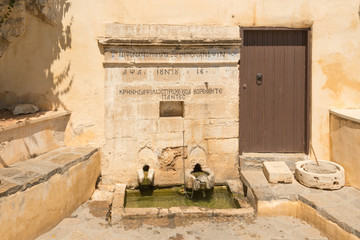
219	198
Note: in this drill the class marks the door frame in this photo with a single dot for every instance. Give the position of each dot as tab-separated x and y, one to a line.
307	81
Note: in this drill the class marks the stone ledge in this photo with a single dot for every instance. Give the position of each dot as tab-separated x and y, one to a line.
254	161
193	212
348	114
328	205
185	32
26	174
23	120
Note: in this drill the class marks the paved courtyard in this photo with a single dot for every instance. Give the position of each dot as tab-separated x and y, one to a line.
83	225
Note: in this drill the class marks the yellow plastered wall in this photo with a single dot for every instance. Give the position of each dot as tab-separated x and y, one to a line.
61	67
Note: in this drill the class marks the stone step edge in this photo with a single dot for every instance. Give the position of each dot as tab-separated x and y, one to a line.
329	217
26	185
193	212
305	201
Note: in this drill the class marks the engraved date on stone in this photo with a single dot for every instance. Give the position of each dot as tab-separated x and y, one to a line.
167	71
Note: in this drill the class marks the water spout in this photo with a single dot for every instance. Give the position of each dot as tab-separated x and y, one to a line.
145	176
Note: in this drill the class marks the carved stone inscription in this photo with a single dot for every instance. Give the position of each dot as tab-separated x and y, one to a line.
141	55
170	93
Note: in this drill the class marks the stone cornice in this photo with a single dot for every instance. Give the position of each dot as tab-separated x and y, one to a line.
109	42
117	34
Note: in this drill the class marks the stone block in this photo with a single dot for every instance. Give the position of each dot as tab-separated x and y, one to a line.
235	186
223	146
146	126
124	129
119	198
223	109
194	130
222	130
148	110
124	110
277	172
171	124
165	140
225	166
196	110
118	203
101	195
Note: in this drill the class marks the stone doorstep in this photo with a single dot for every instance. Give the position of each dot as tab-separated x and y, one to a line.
25	174
277	172
254	161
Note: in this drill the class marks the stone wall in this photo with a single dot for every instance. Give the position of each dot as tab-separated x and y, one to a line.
152	69
62	66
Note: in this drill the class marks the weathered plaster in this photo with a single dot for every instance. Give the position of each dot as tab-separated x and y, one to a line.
28	68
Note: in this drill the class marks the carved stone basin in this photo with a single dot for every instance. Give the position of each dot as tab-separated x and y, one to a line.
328	175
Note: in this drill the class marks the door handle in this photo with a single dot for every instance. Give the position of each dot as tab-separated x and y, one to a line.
259	79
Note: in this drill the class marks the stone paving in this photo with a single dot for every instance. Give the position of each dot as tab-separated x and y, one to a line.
84	225
339	206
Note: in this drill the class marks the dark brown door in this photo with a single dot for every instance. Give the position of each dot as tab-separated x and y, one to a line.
273	113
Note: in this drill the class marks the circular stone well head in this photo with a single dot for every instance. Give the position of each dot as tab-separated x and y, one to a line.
328	175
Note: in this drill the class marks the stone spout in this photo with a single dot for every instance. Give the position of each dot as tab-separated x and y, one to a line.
145	178
204	180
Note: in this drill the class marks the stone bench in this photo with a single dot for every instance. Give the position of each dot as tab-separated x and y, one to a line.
26	136
38	193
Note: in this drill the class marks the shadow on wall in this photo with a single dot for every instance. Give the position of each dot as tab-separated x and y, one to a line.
29	71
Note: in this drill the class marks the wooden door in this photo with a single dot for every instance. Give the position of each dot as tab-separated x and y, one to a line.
273	85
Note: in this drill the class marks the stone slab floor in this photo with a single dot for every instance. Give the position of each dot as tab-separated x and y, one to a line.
83	225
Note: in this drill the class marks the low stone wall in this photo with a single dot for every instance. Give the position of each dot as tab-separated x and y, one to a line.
37	194
345	143
27	136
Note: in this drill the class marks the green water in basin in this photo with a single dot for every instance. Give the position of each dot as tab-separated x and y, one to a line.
219	198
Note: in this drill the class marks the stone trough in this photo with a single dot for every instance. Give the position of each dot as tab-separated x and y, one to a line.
328	175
